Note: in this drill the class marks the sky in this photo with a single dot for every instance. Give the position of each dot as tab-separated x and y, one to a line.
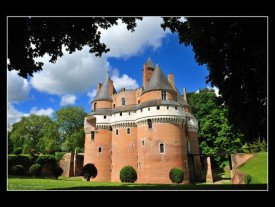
73	79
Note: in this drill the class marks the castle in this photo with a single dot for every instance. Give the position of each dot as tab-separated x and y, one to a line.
150	128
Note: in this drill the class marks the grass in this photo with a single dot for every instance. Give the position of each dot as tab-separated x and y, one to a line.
256	168
76	183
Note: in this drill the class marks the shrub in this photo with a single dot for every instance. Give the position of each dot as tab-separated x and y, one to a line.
176	175
89	171
18	170
57	171
49	159
128	174
25	160
247	179
35	170
17	151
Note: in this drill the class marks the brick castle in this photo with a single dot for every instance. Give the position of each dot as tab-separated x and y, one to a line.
150	128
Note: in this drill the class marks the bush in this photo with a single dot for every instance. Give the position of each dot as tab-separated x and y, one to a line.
35	170
49	159
89	171
128	174
17	151
57	171
176	175
25	160
18	170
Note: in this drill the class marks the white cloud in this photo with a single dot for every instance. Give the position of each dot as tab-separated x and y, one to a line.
123	81
73	73
67	100
18	87
124	43
47	112
13	114
91	95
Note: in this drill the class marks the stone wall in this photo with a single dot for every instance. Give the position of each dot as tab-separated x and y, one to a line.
71	164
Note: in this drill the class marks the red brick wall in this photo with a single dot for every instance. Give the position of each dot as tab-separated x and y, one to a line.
155	167
101	161
123	152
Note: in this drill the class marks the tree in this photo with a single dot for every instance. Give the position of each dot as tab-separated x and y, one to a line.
128	174
216	134
176	175
70	123
29	132
89	171
32	37
235	53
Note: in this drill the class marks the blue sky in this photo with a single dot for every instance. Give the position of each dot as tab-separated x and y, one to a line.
73	79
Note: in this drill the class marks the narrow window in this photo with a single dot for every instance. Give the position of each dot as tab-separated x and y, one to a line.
116	131
176	107
120	114
167	107
94	106
104	117
188	147
157	107
161	148
148	109
139	166
163	95
142	143
128	131
92	136
99	150
185	164
138	101
114	106
140	110
123	101
129	113
149	122
132	145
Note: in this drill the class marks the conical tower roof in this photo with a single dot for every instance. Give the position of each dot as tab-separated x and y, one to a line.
149	63
103	93
158	81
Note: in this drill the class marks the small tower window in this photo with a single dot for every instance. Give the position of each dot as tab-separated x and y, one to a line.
176	107
163	95
167	107
129	113
92	136
139	166
188	147
138	101
157	107
149	122
123	101
114	106
99	150
142	143
128	131
161	148
104	117
94	106
148	109
116	131
140	110
120	114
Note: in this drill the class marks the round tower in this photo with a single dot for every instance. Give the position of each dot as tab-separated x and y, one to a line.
98	132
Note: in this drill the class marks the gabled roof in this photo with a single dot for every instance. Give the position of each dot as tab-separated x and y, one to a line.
103	93
158	81
149	63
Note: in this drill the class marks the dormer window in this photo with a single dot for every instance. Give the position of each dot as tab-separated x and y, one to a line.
163	95
123	101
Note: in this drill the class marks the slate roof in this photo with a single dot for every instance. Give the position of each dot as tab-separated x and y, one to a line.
149	63
103	93
158	81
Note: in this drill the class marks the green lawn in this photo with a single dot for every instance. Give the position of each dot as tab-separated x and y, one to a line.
257	168
76	183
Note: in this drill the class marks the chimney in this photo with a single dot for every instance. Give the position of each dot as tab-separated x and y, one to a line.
184	93
111	89
98	87
171	79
